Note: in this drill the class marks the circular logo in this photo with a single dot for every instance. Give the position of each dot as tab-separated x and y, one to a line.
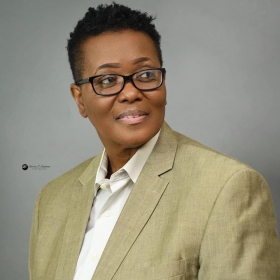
24	167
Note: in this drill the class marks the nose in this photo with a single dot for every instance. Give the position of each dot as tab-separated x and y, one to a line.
130	93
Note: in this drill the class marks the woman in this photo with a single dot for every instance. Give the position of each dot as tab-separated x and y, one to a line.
155	204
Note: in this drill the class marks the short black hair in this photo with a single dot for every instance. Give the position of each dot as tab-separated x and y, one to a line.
114	17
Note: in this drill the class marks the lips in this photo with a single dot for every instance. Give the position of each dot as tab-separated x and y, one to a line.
132	116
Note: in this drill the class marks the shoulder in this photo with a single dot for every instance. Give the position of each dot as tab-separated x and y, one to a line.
206	171
196	163
62	186
200	156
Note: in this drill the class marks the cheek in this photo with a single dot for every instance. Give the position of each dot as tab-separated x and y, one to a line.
99	110
159	100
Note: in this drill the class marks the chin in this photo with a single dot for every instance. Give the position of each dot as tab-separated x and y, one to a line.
138	139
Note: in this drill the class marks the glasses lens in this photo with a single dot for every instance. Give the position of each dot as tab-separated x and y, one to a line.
107	84
148	79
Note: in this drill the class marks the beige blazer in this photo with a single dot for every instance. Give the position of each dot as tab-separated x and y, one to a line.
192	214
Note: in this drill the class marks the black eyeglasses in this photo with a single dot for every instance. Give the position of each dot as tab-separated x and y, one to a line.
111	84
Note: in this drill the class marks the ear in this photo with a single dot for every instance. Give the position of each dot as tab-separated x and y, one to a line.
78	97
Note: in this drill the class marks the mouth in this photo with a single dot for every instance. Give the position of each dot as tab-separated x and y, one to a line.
132	116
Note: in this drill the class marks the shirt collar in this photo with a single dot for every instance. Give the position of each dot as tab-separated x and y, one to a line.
133	167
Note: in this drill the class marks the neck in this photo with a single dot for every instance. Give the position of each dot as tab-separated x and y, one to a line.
117	160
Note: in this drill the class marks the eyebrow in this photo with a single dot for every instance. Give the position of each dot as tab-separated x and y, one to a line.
107	65
141	59
117	65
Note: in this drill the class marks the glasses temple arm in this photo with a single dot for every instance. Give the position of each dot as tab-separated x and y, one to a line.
81	82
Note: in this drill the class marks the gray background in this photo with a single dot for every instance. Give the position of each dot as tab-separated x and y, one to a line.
223	63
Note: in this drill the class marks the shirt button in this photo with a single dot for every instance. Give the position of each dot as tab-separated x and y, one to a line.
94	258
107	213
104	186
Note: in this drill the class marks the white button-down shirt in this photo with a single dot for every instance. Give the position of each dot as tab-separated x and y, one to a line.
107	207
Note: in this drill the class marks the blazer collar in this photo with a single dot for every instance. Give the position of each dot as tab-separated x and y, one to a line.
90	171
160	160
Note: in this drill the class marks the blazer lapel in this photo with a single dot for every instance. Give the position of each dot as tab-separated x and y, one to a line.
140	205
79	211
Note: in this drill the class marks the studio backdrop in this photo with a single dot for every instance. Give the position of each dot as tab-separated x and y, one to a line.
223	64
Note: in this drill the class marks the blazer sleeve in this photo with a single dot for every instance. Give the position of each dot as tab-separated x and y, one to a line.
240	240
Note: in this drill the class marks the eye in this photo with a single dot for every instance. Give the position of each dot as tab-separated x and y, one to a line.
105	81
146	76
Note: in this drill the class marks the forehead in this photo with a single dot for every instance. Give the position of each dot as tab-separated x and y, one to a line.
122	47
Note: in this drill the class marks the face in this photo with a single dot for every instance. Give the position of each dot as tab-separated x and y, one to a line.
131	118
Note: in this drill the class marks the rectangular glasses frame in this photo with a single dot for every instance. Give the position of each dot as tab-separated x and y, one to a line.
126	78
